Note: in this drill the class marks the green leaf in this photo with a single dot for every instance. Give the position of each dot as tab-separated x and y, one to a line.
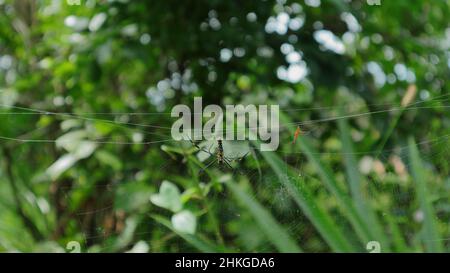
184	221
356	182
61	165
109	159
81	150
195	241
168	197
71	140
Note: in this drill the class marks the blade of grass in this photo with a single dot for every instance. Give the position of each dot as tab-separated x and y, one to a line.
389	132
406	101
193	240
356	183
431	235
396	234
304	199
275	233
345	201
258	165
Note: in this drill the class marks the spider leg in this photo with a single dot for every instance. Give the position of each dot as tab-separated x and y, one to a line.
242	157
200	148
236	158
204	169
227	163
228	160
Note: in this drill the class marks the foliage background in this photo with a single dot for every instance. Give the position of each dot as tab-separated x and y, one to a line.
85	146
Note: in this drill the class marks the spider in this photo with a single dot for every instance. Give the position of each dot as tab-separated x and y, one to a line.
222	160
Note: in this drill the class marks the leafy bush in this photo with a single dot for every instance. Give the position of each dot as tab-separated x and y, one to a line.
87	162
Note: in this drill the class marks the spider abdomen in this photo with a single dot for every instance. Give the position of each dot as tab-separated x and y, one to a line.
220	152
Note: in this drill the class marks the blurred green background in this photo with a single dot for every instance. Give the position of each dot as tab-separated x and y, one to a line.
87	162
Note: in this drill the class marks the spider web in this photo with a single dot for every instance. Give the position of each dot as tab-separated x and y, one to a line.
388	162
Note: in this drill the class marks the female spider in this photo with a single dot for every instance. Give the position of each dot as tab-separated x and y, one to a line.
221	158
